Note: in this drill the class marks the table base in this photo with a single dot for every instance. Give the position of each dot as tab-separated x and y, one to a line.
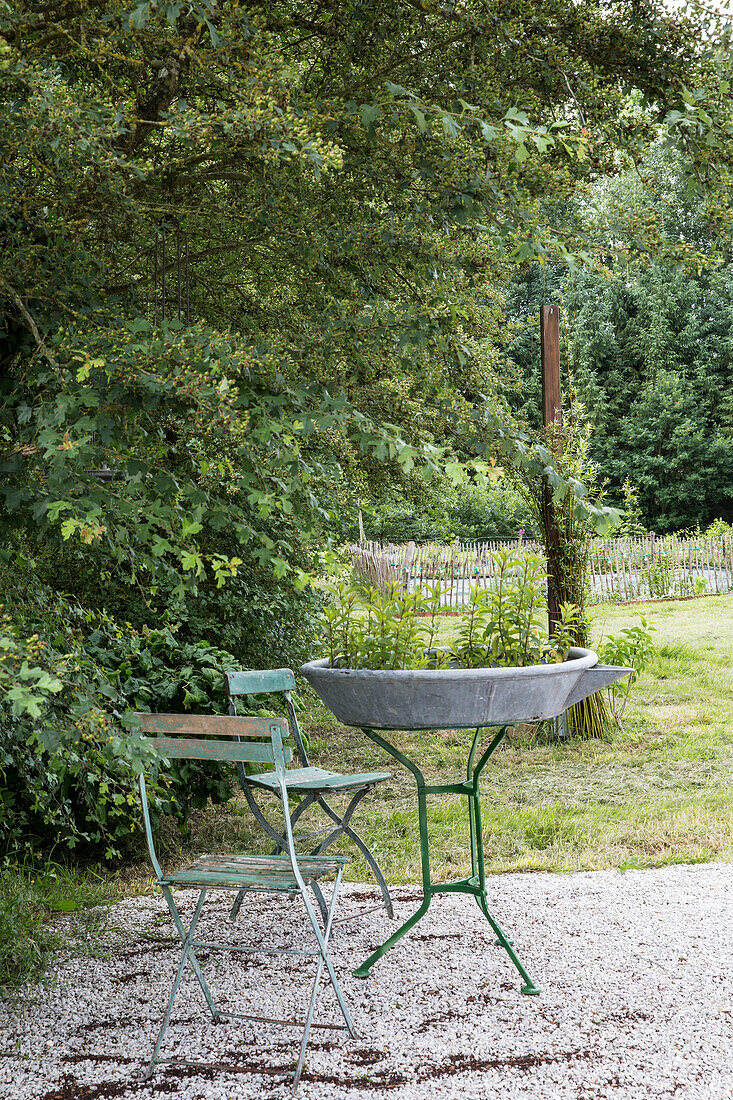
475	884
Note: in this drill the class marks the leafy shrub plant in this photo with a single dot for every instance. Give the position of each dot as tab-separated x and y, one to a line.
68	756
396	629
632	647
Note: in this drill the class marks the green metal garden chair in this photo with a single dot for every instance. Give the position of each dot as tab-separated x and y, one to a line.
241	740
310	784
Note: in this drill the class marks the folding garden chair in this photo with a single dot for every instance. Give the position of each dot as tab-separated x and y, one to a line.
220	738
310	784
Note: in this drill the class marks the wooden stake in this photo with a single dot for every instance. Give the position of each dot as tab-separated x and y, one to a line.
552	420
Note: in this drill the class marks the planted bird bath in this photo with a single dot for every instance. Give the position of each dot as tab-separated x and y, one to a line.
456	698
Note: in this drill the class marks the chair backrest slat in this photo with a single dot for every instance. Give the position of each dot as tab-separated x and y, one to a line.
254	681
189	748
213	725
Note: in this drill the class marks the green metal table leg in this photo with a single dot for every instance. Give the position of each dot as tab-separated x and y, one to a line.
474	834
364	970
530	988
476	884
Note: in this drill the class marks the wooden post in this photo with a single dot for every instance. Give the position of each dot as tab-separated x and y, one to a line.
551	418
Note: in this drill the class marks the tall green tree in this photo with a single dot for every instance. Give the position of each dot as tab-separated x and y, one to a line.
347	177
648	340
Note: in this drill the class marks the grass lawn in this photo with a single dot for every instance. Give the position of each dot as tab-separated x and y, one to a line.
659	792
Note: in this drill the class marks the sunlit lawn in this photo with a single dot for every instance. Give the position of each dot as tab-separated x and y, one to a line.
658	792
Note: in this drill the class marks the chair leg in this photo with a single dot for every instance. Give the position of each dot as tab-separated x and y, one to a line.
195	964
323	958
281	846
267	827
234	911
308	801
325	955
321	901
344	827
186	956
376	870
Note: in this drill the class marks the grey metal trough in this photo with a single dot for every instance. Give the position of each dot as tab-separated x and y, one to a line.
458	698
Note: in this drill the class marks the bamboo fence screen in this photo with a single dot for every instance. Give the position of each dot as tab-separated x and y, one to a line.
620	569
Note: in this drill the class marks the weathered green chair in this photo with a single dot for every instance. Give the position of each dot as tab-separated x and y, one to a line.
221	738
310	784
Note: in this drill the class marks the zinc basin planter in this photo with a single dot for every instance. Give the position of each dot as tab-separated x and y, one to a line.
461	697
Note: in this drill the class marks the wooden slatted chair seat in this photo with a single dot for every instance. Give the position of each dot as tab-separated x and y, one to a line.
261	873
309	779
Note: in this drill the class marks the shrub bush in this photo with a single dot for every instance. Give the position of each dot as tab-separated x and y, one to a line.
493	511
68	757
266	621
473	511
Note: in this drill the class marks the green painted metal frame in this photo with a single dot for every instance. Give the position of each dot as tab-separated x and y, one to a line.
282	680
475	883
271	751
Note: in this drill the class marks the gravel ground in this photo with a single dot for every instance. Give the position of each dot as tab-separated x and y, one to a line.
636	1003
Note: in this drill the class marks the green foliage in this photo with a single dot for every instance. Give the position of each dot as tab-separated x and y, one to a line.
25	943
443	512
633	647
174	415
651	348
489	511
504	624
400	520
380	629
346	214
395	629
646	339
68	760
631	521
658	577
565	533
719	529
25	685
348	201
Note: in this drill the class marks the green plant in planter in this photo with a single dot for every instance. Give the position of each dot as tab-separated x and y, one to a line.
503	625
368	628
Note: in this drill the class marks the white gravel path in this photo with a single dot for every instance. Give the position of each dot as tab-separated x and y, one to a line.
636	1003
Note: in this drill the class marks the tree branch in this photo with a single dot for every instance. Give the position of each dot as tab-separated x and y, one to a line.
158	98
31	325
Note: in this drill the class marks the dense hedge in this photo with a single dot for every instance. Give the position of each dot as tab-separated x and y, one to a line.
471	512
68	758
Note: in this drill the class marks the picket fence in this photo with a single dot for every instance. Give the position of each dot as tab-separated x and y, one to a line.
620	569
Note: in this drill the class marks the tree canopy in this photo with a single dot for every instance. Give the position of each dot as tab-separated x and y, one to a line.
349	178
648	339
